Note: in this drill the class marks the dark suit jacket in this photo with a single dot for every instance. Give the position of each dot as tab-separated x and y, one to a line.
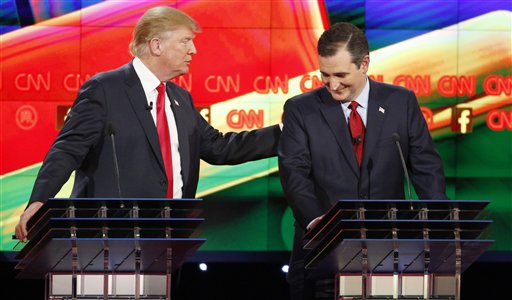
117	97
318	166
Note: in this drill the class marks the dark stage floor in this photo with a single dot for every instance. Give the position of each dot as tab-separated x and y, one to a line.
486	279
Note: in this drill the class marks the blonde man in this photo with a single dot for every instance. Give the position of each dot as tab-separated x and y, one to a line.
158	144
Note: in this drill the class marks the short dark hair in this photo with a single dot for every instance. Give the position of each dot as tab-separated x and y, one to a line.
346	35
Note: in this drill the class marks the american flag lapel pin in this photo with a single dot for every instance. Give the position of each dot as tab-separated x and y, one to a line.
381	109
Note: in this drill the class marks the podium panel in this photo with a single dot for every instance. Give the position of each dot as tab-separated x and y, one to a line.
110	241
56	256
394	248
347	256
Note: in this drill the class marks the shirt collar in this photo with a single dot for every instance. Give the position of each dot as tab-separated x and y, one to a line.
147	78
362	99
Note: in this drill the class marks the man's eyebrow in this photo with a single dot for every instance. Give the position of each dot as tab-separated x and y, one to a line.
335	74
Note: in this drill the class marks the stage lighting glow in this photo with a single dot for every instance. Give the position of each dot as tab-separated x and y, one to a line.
203	267
284	268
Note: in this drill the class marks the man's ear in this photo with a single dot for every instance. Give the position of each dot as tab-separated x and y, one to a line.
365	63
155	46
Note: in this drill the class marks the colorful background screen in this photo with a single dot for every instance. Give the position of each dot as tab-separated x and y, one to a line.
253	56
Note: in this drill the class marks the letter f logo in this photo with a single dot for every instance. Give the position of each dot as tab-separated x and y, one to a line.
462	120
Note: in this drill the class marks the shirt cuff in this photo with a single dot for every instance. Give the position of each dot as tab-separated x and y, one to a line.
314	220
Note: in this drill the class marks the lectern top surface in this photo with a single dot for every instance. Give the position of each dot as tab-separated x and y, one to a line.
415	204
123	202
114	206
90	223
438	213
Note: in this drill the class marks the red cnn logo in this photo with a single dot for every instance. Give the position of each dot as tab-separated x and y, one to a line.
462	119
241	118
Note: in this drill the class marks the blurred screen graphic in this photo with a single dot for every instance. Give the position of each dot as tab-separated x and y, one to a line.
455	55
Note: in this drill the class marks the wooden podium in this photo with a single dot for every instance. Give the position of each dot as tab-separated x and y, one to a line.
397	249
105	248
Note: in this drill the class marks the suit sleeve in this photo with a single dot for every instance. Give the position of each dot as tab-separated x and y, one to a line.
295	167
232	148
83	128
424	161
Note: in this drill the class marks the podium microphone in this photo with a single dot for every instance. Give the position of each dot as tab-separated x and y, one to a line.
112	132
396	139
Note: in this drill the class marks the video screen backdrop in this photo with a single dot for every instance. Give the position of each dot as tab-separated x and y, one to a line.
253	56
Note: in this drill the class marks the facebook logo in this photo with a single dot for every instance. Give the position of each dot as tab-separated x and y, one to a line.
462	120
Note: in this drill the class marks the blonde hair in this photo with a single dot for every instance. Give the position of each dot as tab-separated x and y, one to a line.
154	23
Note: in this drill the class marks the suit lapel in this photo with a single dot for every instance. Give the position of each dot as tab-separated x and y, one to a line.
376	114
178	106
138	102
333	114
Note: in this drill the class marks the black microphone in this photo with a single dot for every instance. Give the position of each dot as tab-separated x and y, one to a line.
112	132
149	106
396	138
357	140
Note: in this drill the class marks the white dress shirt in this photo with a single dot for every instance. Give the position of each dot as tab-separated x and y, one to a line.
362	100
149	83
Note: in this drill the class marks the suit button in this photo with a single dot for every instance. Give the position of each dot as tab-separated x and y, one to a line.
162	181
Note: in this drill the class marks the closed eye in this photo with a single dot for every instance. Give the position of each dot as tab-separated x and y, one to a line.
338	75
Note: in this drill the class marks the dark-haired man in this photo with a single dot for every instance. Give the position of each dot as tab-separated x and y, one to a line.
338	143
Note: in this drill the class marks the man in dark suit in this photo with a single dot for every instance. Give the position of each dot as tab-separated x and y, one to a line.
159	136
338	142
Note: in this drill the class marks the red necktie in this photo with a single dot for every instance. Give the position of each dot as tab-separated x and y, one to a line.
162	127
357	131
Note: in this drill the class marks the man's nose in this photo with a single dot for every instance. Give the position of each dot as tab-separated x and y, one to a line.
334	83
192	49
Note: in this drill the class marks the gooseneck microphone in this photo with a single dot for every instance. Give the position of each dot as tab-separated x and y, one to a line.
396	139
112	133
